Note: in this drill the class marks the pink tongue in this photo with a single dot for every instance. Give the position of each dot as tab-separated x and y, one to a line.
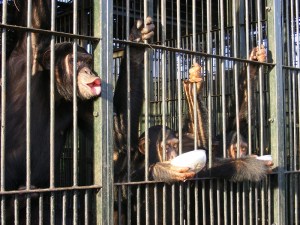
95	87
96	90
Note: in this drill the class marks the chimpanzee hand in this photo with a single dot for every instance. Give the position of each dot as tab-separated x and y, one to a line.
164	171
140	31
195	73
268	164
259	54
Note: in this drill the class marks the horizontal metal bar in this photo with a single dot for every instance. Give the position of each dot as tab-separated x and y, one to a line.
44	190
55	33
190	52
291	68
194	179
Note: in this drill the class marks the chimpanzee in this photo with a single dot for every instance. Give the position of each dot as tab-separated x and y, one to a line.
236	169
249	169
156	142
88	86
257	54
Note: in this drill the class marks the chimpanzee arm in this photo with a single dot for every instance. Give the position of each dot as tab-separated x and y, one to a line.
139	32
40	20
240	169
257	54
164	171
196	79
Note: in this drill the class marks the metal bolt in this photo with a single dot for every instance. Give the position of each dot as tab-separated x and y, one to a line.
95	114
268	8
271	120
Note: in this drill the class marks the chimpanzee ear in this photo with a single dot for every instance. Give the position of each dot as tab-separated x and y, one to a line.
142	145
46	60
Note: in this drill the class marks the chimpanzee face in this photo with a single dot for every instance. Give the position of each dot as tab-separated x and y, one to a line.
88	84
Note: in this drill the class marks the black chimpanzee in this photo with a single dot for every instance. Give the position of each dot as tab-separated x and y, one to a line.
88	86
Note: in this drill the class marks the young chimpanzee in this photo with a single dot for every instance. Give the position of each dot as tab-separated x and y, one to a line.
257	54
236	169
155	142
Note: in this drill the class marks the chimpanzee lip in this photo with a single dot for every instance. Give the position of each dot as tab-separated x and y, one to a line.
96	82
95	86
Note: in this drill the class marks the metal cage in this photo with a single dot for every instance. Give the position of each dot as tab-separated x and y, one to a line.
219	35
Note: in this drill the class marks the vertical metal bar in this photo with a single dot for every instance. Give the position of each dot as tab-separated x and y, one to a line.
64	208
289	61
261	107
296	150
235	23
86	207
128	112
231	204
223	86
16	211
147	100
3	107
196	193
41	206
179	99
194	48
138	205
163	74
103	136
256	202
194	61
276	108
52	113
28	115
204	202
235	55
209	74
249	93
270	211
291	103
75	122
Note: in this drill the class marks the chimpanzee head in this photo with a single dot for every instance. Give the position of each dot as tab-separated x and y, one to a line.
88	84
156	143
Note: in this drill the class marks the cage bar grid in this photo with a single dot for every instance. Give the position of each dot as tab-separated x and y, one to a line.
219	35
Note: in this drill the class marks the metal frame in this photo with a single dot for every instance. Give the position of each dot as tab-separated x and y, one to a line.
219	35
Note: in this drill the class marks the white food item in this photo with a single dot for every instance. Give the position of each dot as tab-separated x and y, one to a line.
195	160
265	157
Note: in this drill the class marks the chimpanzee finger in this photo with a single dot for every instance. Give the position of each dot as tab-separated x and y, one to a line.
139	24
147	29
184	176
148	20
269	163
180	169
147	36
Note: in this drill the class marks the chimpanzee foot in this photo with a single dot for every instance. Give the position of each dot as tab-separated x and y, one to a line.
140	31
